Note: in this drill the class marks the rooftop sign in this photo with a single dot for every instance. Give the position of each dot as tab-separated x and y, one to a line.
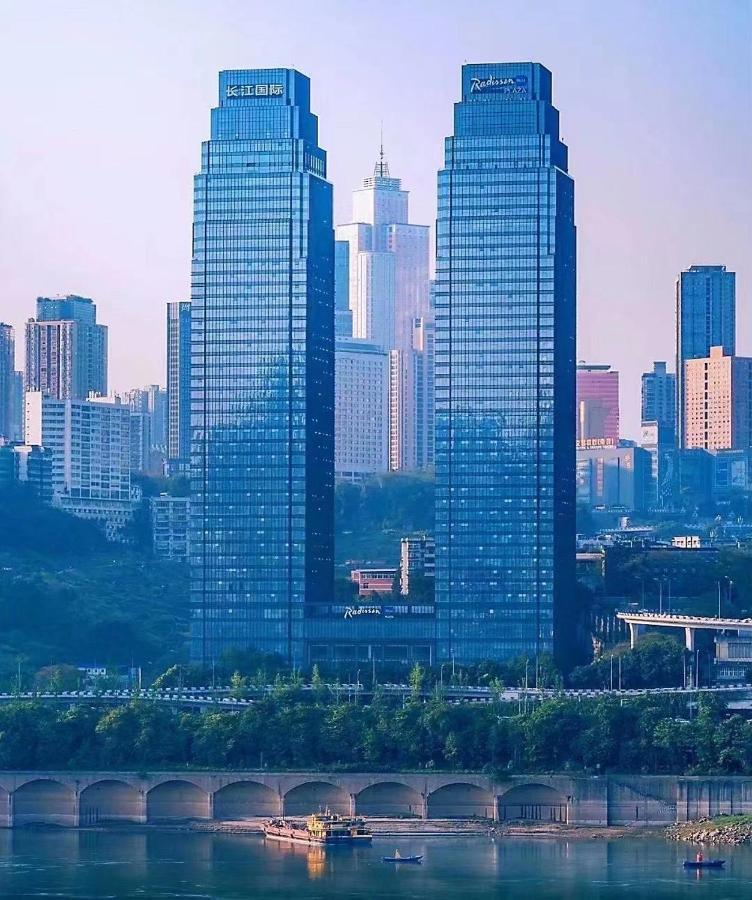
254	90
516	84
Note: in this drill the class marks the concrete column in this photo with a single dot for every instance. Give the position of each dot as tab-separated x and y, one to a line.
77	808
11	819
352	804
210	804
497	797
689	638
280	803
141	818
635	630
424	806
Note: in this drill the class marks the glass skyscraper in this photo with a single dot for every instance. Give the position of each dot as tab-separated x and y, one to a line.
505	371
262	370
705	318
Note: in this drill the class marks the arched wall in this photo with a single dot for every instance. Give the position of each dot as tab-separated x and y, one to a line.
460	801
533	803
174	800
245	799
110	800
389	798
316	796
44	800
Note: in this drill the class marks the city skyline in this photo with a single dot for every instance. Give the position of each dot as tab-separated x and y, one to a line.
689	205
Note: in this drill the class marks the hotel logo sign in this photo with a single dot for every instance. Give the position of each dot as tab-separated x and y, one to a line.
516	84
254	90
352	611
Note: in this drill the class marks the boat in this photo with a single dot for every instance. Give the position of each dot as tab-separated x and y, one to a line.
326	828
704	863
399	858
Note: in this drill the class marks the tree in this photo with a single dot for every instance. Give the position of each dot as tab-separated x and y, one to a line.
417	679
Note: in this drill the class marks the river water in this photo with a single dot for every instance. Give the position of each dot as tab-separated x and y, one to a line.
157	864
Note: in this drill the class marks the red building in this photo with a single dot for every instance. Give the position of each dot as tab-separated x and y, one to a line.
373	581
597	407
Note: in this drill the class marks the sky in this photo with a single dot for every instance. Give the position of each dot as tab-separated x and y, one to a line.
104	106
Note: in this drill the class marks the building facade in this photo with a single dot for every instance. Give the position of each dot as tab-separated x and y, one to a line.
614	478
705	318
178	385
505	371
7	382
66	349
169	526
597	406
417	560
361	417
89	443
718	402
658	400
262	370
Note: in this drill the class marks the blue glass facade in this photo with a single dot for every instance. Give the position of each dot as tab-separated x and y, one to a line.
262	370
505	371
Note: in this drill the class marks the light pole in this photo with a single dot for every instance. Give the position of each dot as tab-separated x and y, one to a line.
719	599
441	676
612	671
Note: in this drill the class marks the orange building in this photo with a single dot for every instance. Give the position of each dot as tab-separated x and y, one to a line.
718	402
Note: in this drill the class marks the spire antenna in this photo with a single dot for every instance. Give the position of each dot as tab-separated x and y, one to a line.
381	169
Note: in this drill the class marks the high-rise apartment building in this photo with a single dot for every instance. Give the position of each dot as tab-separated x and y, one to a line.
66	350
505	371
89	441
705	318
178	384
262	370
361	409
718	402
659	399
7	381
597	406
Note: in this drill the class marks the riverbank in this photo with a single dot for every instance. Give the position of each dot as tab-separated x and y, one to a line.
735	830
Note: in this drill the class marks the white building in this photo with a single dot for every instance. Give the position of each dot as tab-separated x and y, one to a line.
361	418
169	526
388	284
90	445
417	558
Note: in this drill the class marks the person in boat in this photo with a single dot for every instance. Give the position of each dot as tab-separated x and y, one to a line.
699	857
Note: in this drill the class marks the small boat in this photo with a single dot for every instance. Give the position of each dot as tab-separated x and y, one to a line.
399	858
704	863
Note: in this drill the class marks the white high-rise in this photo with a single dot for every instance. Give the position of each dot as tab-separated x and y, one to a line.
388	284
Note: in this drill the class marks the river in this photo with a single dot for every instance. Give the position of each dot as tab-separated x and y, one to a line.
157	864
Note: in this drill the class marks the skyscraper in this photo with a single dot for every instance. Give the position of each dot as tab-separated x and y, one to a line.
718	402
178	384
66	350
7	381
343	319
262	370
705	318
659	399
597	406
505	371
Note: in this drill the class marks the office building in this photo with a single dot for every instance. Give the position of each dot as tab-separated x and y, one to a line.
505	372
718	402
169	526
705	318
597	406
361	409
658	441
66	350
614	478
178	385
658	400
262	371
343	319
417	561
7	382
89	441
732	474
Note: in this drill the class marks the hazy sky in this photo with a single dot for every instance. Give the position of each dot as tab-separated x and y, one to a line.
104	105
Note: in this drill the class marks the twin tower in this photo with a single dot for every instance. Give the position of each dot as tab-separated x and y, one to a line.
262	384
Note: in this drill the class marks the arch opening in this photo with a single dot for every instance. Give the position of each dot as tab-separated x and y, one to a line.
109	801
175	800
44	800
316	796
389	798
244	800
533	803
460	801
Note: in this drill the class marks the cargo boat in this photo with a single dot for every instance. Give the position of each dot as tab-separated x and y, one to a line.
320	828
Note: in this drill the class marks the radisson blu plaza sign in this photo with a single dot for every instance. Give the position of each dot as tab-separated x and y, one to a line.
254	90
516	84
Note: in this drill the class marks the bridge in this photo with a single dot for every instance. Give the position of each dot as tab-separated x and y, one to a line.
78	799
638	621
